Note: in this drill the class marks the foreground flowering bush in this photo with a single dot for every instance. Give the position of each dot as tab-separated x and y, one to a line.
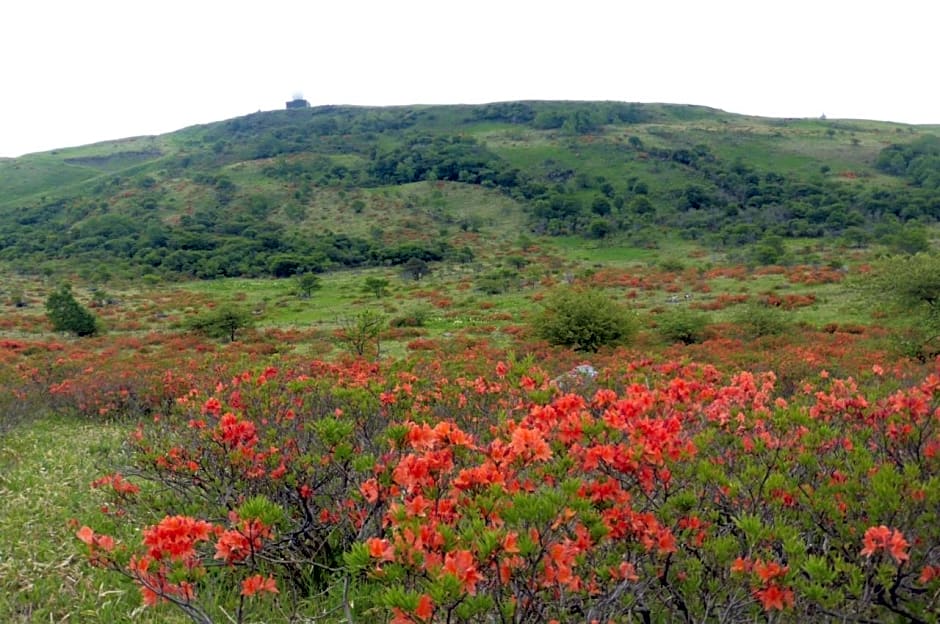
173	560
651	492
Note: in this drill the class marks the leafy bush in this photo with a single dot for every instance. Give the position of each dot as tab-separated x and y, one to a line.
377	286
909	287
415	317
672	265
498	281
415	269
759	320
682	325
360	331
584	319
67	314
307	283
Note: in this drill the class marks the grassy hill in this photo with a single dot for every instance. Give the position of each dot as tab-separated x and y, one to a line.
280	192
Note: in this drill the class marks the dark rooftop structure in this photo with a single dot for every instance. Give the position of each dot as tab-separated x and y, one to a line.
298	102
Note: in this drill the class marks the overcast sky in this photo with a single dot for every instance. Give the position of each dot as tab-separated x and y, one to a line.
81	71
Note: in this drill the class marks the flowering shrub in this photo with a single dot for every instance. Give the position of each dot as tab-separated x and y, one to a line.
175	559
455	490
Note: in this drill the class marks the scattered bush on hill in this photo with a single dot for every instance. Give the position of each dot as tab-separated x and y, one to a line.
758	320
584	319
682	325
68	315
224	322
909	287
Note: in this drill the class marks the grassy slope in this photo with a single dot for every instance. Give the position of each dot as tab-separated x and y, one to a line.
45	472
63	171
798	147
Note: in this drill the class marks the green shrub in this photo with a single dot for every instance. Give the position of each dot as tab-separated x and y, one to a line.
672	265
907	289
68	315
498	282
758	320
359	332
415	317
377	286
682	325
584	319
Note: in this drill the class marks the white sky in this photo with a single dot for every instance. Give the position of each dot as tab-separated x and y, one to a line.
80	71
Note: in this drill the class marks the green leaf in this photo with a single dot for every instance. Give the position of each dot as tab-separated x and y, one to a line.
884	493
724	547
397	434
260	508
343	451
487	542
362	463
818	569
445	589
357	558
332	430
751	526
474	608
398	597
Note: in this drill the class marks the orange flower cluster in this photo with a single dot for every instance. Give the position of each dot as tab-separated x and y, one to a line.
236	545
118	484
257	583
175	537
771	594
173	563
882	538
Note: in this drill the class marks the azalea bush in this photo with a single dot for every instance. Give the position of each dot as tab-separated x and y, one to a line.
462	491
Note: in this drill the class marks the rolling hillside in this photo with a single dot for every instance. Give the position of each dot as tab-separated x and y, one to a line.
281	192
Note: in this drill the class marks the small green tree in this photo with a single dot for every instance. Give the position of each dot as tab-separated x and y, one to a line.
770	250
642	205
599	228
909	287
516	262
378	286
909	239
415	269
68	315
600	206
307	283
584	319
223	322
416	316
359	331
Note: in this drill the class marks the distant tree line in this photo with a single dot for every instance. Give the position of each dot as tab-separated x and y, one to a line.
212	242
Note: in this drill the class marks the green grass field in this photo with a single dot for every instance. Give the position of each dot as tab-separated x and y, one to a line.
46	468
